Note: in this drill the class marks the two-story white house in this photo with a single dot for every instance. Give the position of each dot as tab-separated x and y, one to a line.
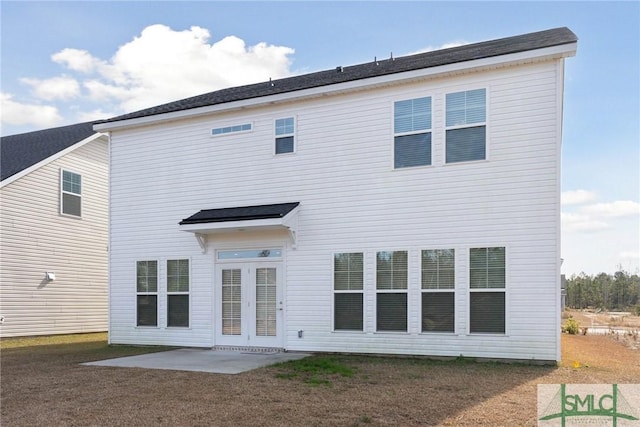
408	205
53	231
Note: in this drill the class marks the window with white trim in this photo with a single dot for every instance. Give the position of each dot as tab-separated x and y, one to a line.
178	292
285	133
348	297
71	193
147	293
391	291
246	127
412	132
487	282
438	290
466	126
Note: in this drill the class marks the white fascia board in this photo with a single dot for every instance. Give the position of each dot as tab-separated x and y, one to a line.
53	157
212	227
548	53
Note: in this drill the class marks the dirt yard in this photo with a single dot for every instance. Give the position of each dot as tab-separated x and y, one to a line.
45	385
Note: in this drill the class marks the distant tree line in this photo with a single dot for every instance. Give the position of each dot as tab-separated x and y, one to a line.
620	291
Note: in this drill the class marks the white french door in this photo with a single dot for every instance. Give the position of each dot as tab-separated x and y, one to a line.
249	307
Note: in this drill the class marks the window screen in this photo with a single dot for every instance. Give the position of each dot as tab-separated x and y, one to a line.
71	194
466	126
348	283
412	132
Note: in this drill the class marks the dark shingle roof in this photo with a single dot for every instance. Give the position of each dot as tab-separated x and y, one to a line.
243	213
19	152
509	45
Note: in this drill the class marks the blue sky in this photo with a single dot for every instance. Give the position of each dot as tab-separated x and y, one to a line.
66	62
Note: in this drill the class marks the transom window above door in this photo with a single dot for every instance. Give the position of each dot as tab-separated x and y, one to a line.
250	253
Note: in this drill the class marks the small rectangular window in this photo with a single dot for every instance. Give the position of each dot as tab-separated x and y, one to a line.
391	295
487	282
412	132
466	138
348	283
147	293
71	193
178	292
285	133
438	294
231	129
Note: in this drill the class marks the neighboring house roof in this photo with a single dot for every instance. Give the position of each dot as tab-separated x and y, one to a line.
20	152
243	213
376	68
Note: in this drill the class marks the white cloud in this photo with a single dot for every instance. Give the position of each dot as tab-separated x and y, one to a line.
97	114
16	113
54	88
442	46
162	65
615	209
77	60
157	66
578	222
630	255
577	197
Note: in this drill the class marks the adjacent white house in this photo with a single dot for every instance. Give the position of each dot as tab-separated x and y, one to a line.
53	232
408	205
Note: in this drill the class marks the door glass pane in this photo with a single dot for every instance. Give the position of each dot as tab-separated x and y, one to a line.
266	302
231	302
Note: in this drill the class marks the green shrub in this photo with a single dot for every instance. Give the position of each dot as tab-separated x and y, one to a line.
571	326
636	309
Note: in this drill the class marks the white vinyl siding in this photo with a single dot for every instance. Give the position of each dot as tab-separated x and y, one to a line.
350	201
35	238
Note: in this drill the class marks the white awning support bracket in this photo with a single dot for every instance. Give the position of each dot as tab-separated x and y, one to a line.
202	241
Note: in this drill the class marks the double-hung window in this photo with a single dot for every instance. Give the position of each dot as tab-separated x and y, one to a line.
487	280
147	293
438	290
391	287
71	193
412	132
348	281
178	292
285	133
466	127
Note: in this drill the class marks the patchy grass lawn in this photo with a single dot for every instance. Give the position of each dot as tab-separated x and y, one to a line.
44	384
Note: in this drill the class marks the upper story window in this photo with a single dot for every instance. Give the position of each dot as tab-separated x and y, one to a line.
231	129
71	193
412	132
285	132
466	117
